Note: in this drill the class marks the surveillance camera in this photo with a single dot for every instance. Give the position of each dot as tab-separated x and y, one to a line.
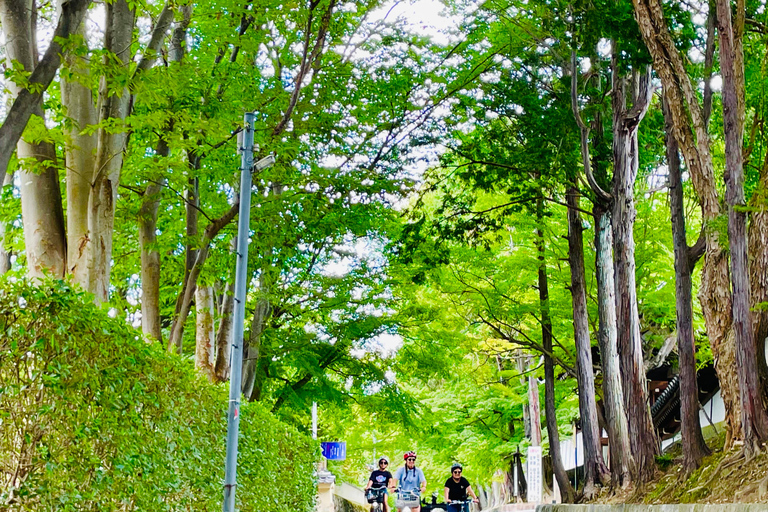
265	162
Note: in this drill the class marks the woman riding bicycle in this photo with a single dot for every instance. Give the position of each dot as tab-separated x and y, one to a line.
410	478
456	489
381	478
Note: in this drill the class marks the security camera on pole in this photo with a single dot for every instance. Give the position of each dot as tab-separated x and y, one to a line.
236	354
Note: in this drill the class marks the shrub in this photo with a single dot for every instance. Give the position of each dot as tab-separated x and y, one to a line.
92	417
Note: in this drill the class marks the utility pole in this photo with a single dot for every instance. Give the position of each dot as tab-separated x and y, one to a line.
241	269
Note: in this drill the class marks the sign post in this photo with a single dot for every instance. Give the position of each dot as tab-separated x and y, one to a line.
534	474
336	450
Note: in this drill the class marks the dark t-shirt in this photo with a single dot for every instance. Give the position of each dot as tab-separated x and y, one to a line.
380	478
457	490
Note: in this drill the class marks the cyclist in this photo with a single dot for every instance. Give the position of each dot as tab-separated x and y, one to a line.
381	478
456	489
411	478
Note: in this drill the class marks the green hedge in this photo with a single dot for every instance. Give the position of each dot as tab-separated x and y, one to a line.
92	417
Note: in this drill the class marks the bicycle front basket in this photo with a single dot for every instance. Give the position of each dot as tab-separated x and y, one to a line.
407	499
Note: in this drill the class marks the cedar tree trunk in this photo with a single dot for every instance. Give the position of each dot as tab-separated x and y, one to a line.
622	458
754	419
694	447
625	164
566	489
595	470
690	132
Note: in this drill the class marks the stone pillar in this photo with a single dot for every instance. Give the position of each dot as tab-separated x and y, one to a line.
326	485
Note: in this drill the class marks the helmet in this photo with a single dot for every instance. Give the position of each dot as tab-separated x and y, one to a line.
384	458
409	454
456	465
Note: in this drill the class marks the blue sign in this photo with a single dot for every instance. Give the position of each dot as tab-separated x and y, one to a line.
335	450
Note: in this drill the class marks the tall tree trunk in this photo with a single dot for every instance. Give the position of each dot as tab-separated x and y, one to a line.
205	336
523	360
566	489
595	470
224	333
694	447
622	458
28	101
690	131
5	255
80	107
192	209
758	249
184	301
534	410
625	164
150	256
261	314
112	109
41	208
754	419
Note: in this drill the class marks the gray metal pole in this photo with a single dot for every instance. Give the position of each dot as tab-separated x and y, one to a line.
236	353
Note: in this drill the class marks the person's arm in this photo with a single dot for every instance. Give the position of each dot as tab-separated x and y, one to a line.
368	485
391	483
423	482
445	490
472	493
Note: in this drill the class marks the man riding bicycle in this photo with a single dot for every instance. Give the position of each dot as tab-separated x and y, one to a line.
456	489
381	478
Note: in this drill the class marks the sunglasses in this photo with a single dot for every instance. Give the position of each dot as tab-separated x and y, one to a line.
382	463
411	460
457	472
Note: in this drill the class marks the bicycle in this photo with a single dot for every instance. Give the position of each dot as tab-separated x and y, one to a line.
406	500
376	498
460	505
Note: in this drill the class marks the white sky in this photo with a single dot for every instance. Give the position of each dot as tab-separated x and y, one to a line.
427	17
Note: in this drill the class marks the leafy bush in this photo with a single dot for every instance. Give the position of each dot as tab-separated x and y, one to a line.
92	417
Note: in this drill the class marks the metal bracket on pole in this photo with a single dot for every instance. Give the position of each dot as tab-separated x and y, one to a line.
236	351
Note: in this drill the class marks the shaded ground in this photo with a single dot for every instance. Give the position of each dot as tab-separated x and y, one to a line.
723	478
